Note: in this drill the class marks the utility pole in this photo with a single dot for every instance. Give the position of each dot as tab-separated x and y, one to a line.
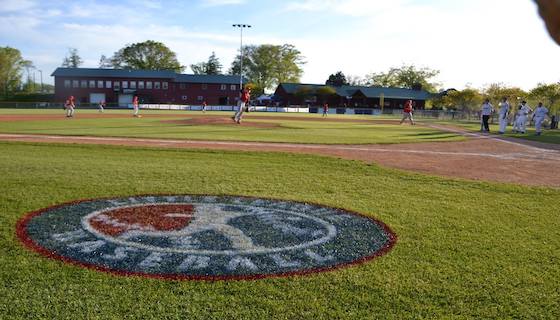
241	26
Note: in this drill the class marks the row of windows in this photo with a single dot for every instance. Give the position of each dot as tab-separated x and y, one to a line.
198	98
100	84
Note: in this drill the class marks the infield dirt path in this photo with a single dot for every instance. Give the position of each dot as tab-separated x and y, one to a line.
480	157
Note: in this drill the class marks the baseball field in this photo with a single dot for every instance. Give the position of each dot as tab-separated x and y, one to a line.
475	218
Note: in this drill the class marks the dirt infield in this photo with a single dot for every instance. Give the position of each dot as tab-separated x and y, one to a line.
481	157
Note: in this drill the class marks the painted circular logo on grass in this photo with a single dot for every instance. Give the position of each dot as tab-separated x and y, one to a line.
204	237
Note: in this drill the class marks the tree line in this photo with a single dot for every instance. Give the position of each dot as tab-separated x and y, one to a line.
266	66
468	99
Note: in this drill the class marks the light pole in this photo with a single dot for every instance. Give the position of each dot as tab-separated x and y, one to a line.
241	26
41	73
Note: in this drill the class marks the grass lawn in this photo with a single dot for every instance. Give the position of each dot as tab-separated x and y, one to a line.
465	250
294	131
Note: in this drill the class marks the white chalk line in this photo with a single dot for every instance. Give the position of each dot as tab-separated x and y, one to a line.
550	155
500	139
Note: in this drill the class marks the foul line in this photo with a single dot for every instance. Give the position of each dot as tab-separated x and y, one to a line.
500	139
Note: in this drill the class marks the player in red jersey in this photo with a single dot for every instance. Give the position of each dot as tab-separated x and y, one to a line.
243	102
135	106
69	106
407	112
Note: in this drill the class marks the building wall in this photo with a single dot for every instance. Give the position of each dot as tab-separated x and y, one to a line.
177	93
335	101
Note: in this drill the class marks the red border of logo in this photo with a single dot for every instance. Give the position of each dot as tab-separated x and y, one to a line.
22	235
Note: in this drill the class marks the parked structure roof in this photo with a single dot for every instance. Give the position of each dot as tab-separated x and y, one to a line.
369	92
164	74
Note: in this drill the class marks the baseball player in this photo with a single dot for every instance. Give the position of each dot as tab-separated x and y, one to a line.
521	118
503	113
486	111
243	101
135	105
204	106
407	112
325	109
538	116
69	106
101	106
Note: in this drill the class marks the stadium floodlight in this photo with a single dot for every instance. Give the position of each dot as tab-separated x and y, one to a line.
241	27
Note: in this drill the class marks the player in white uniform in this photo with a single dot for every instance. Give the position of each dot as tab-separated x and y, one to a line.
486	112
521	119
503	113
538	116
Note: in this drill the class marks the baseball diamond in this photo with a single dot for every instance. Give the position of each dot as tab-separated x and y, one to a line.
238	159
204	237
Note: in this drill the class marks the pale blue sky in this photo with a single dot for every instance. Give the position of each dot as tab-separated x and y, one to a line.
474	42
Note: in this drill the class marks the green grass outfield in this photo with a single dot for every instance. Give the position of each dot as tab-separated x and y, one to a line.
465	250
293	131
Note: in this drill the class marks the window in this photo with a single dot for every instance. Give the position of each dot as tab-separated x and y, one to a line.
67	83
200	98
182	86
92	83
148	85
140	84
132	84
108	84
125	84
204	86
100	84
83	84
157	85
117	85
164	85
223	87
75	84
233	87
184	97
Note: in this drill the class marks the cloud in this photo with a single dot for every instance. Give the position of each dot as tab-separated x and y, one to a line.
151	4
216	3
16	6
357	8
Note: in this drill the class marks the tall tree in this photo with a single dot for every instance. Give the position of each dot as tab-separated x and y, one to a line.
105	63
338	79
356	80
496	91
147	55
73	59
549	94
212	66
11	68
268	65
406	76
466	100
